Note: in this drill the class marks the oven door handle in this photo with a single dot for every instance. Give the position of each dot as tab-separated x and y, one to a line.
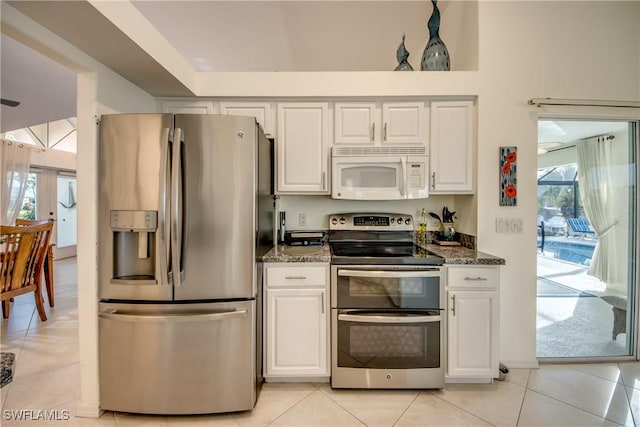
388	274
387	319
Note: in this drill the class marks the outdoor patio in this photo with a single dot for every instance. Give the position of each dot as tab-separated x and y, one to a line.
572	321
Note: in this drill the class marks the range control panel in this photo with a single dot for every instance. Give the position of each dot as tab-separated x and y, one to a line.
371	221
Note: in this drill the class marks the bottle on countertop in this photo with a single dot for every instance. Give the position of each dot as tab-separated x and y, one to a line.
422	228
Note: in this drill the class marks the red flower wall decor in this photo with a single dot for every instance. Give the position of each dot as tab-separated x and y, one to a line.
508	179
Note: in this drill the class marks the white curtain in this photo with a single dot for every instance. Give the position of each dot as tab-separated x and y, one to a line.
596	193
14	170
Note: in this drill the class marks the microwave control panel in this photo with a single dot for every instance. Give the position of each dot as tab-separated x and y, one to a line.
416	176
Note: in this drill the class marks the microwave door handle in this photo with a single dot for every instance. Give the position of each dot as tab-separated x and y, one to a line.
404	192
387	319
388	274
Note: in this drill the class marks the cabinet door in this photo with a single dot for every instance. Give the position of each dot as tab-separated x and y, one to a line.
188	107
404	123
296	342
451	154
260	110
302	148
356	123
472	337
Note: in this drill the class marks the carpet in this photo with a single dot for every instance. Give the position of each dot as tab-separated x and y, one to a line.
549	289
6	364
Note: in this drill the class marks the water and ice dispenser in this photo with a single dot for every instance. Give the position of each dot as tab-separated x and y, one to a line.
134	246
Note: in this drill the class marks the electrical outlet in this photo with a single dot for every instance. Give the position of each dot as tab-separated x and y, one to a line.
302	219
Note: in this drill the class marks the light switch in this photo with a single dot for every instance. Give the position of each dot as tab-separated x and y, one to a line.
509	225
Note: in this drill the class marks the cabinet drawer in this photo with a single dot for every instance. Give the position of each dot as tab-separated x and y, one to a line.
296	276
473	277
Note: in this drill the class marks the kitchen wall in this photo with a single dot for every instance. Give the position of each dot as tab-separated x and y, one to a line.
318	208
540	49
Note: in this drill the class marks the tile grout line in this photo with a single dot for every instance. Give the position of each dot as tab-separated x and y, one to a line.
407	408
616	383
574	406
291	407
626	393
343	408
524	396
463	409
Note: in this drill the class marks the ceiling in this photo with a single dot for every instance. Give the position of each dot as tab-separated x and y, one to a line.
302	35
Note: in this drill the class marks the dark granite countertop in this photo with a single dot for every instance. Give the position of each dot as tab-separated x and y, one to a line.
284	253
451	254
462	255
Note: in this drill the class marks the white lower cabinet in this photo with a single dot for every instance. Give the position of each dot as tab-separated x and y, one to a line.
296	320
472	323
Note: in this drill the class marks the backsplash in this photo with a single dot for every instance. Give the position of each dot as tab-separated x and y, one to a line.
315	210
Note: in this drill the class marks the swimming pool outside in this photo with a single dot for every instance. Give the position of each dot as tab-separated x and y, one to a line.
565	249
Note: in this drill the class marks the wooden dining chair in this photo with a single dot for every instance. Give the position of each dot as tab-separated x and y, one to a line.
48	263
24	250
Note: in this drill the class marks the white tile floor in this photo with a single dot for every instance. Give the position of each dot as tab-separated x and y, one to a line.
47	378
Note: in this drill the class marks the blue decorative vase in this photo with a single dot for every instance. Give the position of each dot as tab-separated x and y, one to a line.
436	55
402	54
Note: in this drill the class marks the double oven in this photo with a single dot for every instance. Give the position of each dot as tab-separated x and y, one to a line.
387	305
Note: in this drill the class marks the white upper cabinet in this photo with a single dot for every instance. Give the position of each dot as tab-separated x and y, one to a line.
451	153
302	149
404	123
372	123
189	107
262	111
356	123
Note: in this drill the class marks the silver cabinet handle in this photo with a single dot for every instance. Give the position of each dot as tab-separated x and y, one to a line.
453	307
373	131
387	319
476	279
322	302
324	180
433	180
170	317
384	129
295	277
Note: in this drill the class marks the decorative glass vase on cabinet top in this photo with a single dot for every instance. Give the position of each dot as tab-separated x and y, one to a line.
436	55
402	54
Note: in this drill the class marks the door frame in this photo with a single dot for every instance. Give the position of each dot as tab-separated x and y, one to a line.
47	203
629	115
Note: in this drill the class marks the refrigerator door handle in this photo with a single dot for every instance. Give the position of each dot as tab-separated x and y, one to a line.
185	317
176	208
164	211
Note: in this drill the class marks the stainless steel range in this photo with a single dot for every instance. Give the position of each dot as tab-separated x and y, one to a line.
386	305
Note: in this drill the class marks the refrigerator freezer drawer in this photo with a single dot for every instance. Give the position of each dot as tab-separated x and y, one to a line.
178	358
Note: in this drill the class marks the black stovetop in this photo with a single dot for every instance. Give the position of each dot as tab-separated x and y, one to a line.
385	254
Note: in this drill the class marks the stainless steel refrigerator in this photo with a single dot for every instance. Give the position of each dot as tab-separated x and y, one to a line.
186	210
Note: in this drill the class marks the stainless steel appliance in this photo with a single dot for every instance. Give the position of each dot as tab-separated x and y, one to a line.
185	209
379	173
386	305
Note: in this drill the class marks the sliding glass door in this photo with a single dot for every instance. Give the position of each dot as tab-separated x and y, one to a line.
587	238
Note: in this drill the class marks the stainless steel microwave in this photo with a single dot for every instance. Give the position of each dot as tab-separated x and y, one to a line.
379	173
